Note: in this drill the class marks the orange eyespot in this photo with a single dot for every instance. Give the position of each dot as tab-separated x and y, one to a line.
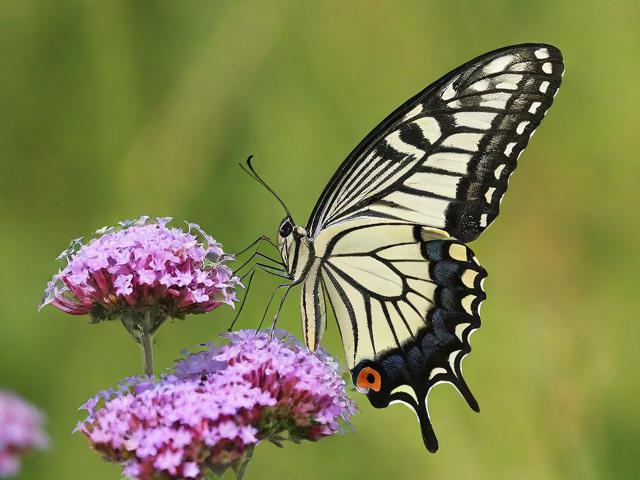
369	378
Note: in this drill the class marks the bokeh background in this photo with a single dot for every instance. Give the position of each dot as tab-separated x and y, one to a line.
117	108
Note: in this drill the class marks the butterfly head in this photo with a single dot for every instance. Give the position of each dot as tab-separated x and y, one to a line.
285	230
294	247
285	237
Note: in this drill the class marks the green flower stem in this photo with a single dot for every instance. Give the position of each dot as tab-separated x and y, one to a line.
142	326
157	324
242	470
146	342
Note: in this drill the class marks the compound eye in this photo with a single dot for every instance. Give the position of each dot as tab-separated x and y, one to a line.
285	229
369	378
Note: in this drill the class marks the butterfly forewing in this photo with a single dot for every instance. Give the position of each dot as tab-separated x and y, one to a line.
444	158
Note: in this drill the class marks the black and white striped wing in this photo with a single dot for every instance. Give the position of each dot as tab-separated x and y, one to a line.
443	159
406	300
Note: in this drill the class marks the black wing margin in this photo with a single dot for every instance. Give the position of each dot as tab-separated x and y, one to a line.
454	144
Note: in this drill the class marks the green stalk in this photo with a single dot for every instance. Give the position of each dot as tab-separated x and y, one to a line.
146	342
242	469
142	326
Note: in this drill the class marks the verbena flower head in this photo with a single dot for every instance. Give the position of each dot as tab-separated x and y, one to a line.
20	431
140	265
216	406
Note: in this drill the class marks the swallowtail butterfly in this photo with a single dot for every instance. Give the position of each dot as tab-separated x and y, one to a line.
386	244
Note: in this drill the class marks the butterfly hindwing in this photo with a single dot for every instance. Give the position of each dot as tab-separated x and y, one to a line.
408	374
443	159
406	300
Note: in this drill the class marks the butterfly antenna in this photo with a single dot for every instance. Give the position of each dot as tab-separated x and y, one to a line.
253	174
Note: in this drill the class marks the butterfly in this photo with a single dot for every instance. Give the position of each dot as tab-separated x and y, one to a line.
386	244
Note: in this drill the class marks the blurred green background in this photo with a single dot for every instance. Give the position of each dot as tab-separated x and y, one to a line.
113	109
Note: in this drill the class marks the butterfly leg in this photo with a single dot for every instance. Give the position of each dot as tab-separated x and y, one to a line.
266	310
252	258
257	253
257	241
250	274
282	300
244	299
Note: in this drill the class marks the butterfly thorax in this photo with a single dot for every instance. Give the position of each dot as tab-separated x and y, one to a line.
296	249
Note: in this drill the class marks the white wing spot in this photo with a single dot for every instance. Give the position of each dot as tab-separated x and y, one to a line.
467	302
507	86
480	85
451	162
498	171
520	67
479	120
499	104
417	110
489	195
543	87
464	141
455	104
454	355
483	220
449	92
405	389
521	126
427	233
458	252
547	67
534	107
495	100
498	65
394	140
430	128
509	148
508	81
436	371
444	185
469	277
541	53
460	328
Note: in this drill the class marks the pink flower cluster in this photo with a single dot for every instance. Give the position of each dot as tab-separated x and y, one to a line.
140	264
20	430
216	406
